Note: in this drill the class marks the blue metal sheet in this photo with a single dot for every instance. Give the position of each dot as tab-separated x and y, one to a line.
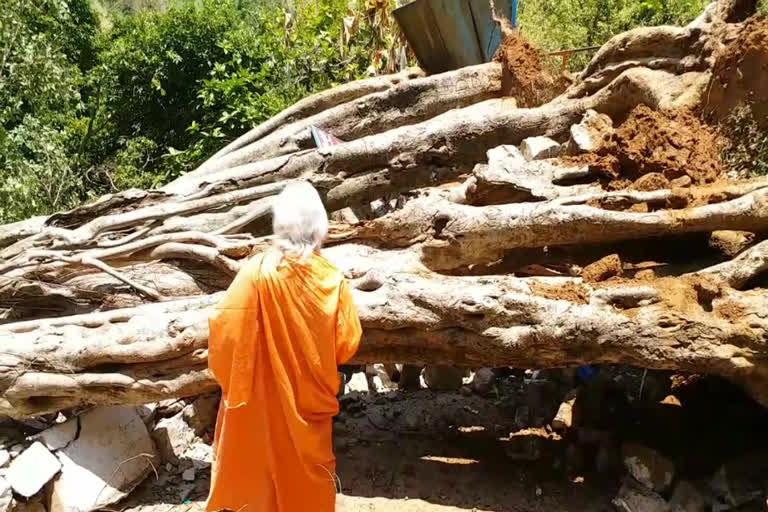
449	34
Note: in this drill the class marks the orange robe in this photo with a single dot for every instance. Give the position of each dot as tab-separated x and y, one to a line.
276	339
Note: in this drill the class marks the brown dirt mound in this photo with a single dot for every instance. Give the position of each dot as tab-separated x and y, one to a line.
603	269
650	149
739	73
525	77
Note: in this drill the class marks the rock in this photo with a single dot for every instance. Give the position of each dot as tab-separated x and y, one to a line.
358	383
539	148
16	450
110	438
646	274
443	378
731	243
6	495
201	455
172	437
31	470
591	134
483	381
563	420
58	436
5	458
466	391
602	269
634	497
201	414
413	418
608	457
648	466
687	497
170	407
742	480
188	475
147	413
379	378
410	378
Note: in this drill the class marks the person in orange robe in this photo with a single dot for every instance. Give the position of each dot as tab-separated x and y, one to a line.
276	339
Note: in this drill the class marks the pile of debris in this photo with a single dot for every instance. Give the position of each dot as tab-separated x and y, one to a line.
97	457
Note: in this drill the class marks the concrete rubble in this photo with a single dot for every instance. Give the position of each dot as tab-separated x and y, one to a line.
32	469
540	148
111	456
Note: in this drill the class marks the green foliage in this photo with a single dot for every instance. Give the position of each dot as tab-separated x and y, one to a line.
563	24
746	149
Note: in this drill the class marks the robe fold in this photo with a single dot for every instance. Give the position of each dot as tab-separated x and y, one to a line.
276	339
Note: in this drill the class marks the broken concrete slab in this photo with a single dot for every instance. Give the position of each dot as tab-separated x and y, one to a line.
5	458
173	436
31	470
58	436
539	148
111	456
648	466
6	495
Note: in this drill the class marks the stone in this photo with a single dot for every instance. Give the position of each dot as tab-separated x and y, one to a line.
742	480
603	269
483	381
188	475
201	414
563	420
16	450
648	466
539	148
5	458
358	383
172	437
111	438
6	495
687	497
593	133
147	413
410	377
58	436
379	378
443	378
170	407
731	243
635	497
31	470
201	455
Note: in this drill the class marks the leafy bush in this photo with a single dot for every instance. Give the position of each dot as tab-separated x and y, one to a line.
745	153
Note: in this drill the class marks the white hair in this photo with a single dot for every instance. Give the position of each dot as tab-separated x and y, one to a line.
299	221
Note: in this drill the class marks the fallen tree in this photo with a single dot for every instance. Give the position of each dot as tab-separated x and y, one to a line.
484	259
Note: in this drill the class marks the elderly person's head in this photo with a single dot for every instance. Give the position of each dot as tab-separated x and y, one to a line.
299	221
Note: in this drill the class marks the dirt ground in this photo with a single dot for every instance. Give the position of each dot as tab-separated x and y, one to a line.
456	451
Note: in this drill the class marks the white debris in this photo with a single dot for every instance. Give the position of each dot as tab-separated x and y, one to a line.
173	437
539	148
110	438
189	475
31	470
357	383
5	458
6	495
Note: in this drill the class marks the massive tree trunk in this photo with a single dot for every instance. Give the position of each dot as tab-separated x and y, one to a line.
471	256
